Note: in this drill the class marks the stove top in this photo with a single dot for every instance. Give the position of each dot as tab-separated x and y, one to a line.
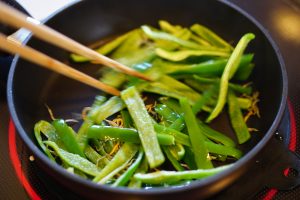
21	179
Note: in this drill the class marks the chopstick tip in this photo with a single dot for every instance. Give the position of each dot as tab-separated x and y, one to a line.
141	76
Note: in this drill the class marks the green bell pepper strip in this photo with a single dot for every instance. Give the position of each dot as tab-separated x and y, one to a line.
189	158
114	172
170	87
183	54
125	177
179	125
138	58
237	88
169	117
222	149
177	151
174	152
131	52
196	85
172	159
236	119
143	168
182	33
206	97
126	119
105	49
176	30
112	77
125	154
244	102
45	128
91	154
196	137
99	100
81	135
74	160
243	73
82	138
160	35
199	40
99	147
131	44
144	125
68	137
215	135
99	160
110	107
124	134
167	27
171	103
166	113
179	137
229	71
172	176
210	36
213	67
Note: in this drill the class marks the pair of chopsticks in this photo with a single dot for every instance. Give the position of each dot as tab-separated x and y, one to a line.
13	17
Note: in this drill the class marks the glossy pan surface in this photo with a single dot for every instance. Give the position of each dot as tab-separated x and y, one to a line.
31	87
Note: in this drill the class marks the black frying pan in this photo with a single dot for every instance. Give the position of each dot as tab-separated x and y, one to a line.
30	87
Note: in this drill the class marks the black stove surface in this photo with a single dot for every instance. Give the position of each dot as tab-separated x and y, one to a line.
21	179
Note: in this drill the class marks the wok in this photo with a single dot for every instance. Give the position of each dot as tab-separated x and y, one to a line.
30	87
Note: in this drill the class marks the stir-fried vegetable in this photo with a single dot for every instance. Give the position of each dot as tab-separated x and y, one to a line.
155	134
144	126
230	68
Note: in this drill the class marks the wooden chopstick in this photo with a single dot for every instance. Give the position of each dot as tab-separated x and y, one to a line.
17	19
52	64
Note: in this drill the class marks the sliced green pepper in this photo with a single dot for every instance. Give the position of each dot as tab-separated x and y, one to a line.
183	54
123	156
105	49
68	137
124	134
213	67
143	122
125	177
173	177
236	119
75	160
210	36
45	128
196	137
169	37
110	107
172	159
229	71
